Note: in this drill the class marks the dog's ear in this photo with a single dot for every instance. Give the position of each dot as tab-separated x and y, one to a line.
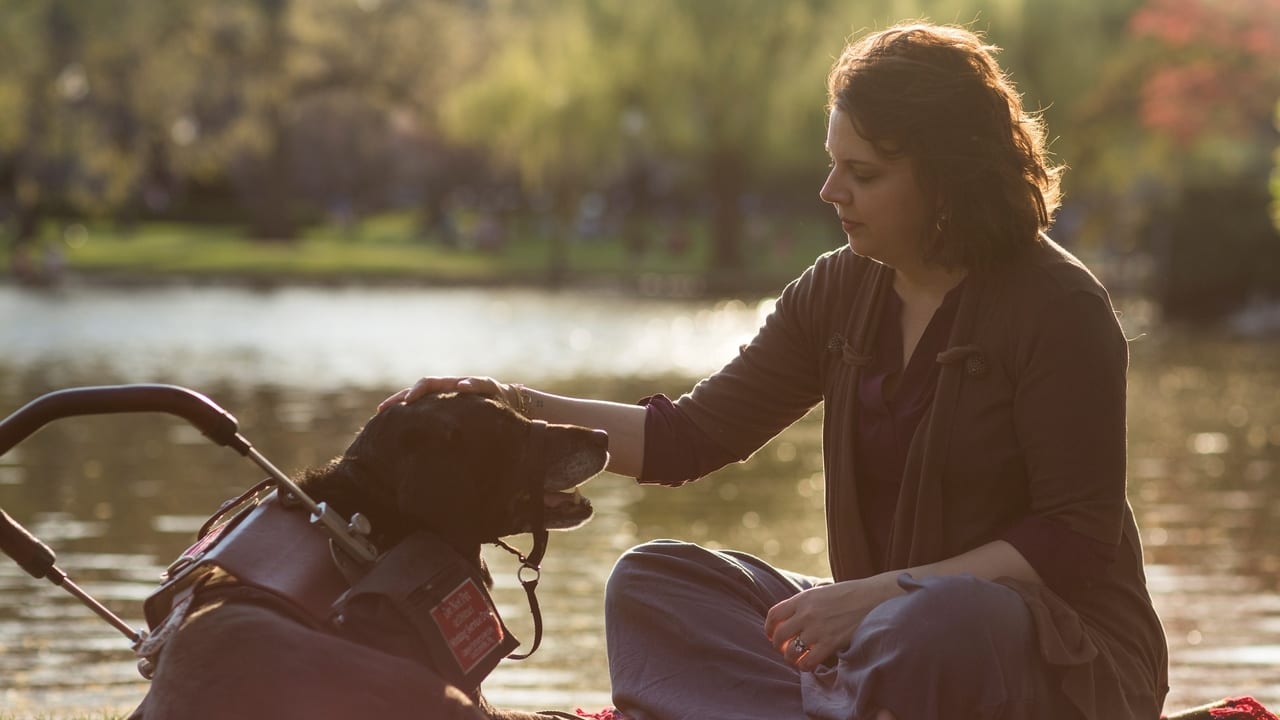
417	444
394	445
427	472
459	474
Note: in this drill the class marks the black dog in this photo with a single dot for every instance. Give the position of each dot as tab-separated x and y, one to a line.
448	464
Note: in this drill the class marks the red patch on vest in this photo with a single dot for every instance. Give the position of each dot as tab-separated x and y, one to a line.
468	623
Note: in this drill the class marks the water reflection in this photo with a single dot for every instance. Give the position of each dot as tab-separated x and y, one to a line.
118	497
341	338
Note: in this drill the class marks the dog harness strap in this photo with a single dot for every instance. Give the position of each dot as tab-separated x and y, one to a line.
530	586
531	465
532	460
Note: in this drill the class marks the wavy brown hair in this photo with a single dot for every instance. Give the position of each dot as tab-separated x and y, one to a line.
935	94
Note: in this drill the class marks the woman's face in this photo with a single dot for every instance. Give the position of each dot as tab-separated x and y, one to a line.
880	204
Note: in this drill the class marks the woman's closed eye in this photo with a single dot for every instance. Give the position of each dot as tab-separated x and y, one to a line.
857	169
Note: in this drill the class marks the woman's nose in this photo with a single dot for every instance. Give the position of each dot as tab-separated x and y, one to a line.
831	192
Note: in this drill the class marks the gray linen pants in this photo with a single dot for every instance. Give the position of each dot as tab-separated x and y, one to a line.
685	632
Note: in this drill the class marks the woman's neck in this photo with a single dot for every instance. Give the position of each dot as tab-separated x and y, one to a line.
926	284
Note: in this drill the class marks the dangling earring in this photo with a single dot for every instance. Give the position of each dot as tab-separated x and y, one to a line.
940	224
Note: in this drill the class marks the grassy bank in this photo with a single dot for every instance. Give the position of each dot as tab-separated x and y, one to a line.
390	248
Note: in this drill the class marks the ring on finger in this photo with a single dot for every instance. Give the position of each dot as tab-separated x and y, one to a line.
798	646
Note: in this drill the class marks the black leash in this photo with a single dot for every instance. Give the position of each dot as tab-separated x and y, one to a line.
530	584
533	461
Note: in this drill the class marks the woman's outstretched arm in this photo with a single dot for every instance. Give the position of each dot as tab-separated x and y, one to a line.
623	422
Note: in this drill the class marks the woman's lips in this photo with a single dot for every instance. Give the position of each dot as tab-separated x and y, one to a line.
849	225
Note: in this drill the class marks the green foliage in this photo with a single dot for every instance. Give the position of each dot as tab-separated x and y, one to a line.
69	135
291	111
1189	97
718	94
1183	119
543	102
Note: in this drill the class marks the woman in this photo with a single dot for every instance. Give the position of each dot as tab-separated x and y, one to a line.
985	560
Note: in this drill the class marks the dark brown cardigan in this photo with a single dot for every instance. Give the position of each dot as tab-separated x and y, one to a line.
1028	418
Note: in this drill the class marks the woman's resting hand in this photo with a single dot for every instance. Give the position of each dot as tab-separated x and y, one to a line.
824	618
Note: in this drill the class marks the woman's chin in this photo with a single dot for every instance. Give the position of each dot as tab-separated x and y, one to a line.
859	245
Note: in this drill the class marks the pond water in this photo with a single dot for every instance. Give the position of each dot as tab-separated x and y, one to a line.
118	497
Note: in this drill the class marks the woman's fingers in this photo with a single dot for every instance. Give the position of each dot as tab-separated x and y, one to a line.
800	637
482	385
394	399
781	625
423	386
437	384
777	615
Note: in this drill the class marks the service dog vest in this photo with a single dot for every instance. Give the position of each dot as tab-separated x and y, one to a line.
267	545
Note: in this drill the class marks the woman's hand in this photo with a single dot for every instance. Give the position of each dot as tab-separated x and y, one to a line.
823	618
482	385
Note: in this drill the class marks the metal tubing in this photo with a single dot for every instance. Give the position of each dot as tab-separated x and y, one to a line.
360	549
217	424
62	581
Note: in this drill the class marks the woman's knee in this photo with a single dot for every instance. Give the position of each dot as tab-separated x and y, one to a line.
639	568
678	573
942	620
954	642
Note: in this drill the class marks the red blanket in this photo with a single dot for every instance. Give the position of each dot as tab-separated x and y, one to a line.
1241	708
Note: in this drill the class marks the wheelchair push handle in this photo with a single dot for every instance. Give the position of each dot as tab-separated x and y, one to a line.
37	559
217	424
26	549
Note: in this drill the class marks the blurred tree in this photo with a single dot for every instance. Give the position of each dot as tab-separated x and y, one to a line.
37	43
1188	108
735	89
72	137
320	105
344	107
369	75
724	96
113	101
223	88
545	103
574	88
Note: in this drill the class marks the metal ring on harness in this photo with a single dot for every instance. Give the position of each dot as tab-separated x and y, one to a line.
537	575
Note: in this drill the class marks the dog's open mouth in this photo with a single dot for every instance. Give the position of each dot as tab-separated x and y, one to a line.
565	509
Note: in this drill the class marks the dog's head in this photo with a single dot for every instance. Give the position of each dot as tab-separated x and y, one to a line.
460	465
